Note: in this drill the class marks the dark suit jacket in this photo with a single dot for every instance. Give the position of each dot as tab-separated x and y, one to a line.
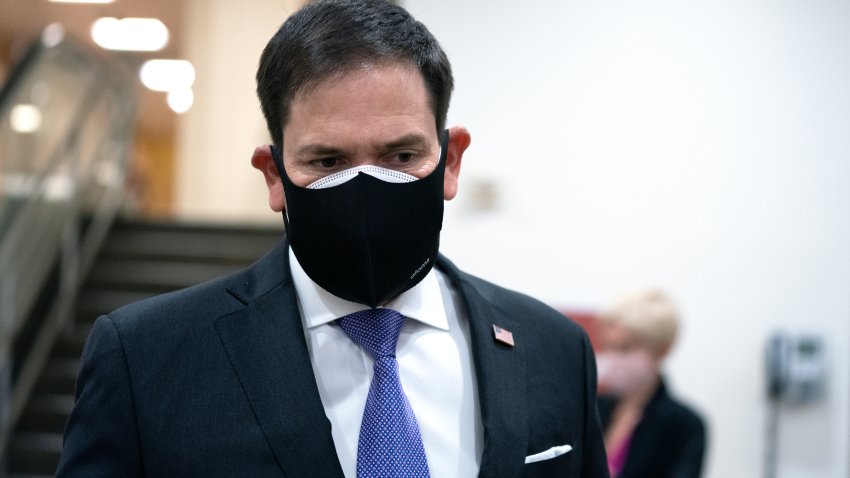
216	380
669	441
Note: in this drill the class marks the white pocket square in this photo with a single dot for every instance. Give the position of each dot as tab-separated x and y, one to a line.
553	452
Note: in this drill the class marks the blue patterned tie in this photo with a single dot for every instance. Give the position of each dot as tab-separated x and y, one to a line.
390	444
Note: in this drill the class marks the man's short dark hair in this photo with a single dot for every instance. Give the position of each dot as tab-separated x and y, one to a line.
328	37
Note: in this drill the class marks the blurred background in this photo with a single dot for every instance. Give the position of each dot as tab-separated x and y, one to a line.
700	147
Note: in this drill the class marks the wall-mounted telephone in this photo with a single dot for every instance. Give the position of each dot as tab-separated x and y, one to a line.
795	367
796	373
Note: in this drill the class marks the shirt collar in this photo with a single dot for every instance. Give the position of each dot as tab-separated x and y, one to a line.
423	302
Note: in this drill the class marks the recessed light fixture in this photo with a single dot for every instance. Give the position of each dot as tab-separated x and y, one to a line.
173	76
180	100
52	35
25	118
130	34
167	75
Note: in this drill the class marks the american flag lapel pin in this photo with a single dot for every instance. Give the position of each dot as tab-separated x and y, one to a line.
502	335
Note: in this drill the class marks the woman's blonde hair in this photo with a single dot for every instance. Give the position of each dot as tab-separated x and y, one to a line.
650	315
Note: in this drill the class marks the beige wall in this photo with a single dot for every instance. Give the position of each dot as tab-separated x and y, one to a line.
215	139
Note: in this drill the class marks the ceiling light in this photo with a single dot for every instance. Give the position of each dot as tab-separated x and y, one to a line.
25	118
52	35
58	187
167	75
181	100
130	34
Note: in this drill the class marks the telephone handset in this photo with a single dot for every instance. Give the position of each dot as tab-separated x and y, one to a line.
795	367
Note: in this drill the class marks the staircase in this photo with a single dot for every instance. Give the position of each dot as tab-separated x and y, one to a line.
138	260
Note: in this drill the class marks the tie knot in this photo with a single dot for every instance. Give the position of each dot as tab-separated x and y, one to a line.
376	330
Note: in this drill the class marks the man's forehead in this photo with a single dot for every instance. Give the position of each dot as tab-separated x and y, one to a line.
328	75
379	104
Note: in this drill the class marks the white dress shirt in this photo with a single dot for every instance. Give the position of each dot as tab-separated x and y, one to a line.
435	367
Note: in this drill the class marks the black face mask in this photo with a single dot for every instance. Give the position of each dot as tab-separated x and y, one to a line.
366	240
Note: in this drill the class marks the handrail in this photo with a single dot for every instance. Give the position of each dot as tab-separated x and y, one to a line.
61	185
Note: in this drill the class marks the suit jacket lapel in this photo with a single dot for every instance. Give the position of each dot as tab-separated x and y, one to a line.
266	346
500	371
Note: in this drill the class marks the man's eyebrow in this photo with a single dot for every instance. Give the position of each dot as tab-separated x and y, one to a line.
408	140
405	141
317	149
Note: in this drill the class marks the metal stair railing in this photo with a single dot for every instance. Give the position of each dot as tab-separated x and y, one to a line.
66	120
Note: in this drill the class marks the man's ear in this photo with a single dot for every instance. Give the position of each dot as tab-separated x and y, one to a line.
263	162
459	140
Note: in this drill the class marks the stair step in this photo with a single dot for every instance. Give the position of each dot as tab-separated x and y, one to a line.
35	453
221	244
137	261
59	376
155	276
70	343
46	413
92	303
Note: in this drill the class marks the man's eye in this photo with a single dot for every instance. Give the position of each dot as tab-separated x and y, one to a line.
328	162
405	157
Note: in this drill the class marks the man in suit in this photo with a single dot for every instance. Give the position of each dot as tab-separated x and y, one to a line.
263	373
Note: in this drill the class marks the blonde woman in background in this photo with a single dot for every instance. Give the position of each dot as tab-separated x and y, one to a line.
648	433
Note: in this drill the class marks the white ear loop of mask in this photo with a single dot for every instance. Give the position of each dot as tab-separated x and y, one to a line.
384	174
